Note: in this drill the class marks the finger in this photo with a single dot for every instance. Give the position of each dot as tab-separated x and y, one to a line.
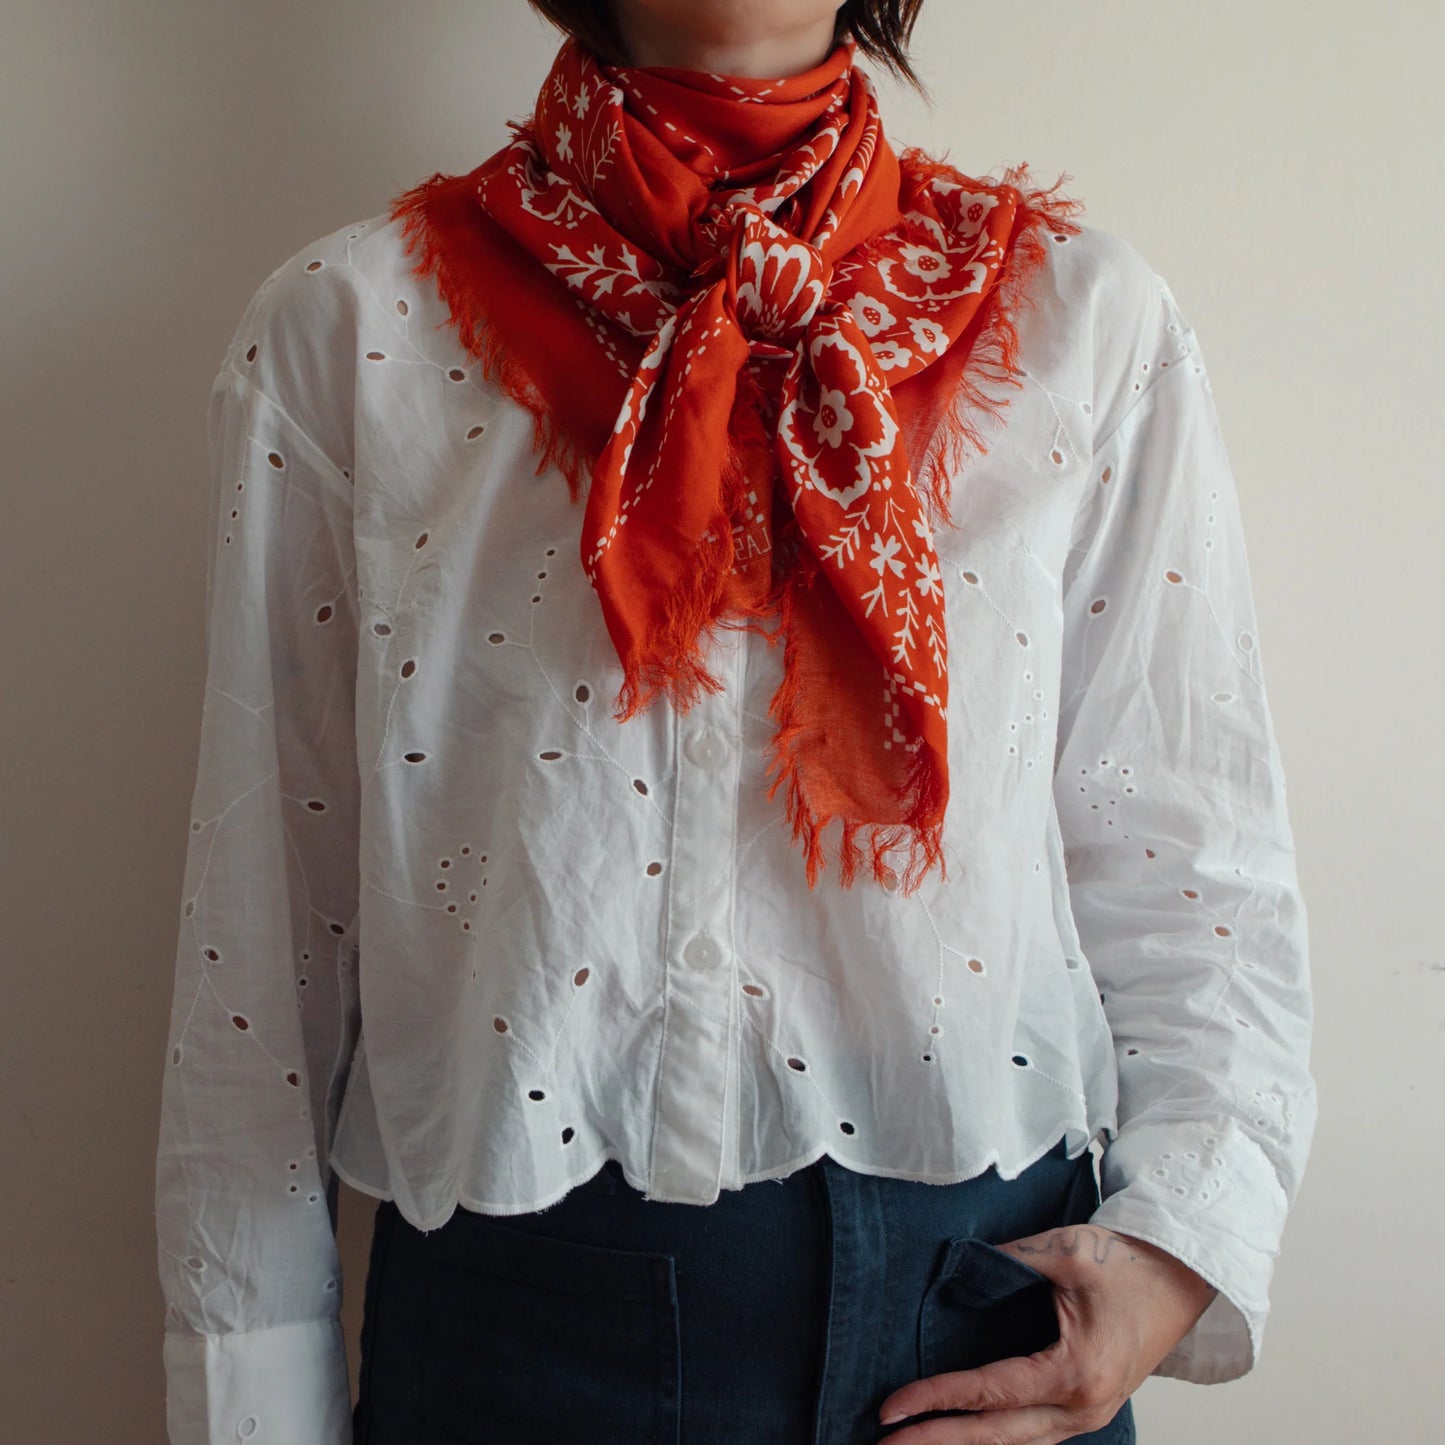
1019	1380
1032	1425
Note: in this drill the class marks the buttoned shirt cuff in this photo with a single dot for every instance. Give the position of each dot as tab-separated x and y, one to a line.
1205	1192
286	1385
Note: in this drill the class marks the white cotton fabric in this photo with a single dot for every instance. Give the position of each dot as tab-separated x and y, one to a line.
453	934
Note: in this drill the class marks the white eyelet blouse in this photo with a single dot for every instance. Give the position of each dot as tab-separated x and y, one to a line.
452	933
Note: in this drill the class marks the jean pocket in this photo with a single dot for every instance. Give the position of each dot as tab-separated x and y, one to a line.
982	1304
526	1337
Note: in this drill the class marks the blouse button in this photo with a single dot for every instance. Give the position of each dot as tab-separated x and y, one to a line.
706	749
702	951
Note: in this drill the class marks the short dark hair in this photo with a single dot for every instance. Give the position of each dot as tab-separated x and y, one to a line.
881	29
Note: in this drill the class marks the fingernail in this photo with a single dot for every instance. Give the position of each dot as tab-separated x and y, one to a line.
893	1417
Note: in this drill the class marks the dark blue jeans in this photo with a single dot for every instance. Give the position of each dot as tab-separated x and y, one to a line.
782	1314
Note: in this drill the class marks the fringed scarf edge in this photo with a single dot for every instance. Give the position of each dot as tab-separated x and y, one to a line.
924	791
416	208
993	355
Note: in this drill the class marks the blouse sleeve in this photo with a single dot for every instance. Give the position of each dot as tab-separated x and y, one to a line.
1180	859
264	1011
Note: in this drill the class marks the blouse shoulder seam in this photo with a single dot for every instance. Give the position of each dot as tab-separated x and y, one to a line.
230	368
1103	442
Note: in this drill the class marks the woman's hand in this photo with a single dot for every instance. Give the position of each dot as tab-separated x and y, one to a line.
1122	1305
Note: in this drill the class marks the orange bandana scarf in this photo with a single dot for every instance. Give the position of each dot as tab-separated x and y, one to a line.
730	305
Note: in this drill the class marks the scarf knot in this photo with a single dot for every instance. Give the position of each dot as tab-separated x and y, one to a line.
776	283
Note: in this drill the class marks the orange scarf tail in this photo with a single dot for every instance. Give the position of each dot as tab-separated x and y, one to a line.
767	344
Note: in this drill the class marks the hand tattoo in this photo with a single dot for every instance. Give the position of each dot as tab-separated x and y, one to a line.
1070	1239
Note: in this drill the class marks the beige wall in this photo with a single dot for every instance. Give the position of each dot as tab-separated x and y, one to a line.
1278	163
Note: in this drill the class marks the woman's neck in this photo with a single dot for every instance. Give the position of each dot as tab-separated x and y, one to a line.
688	46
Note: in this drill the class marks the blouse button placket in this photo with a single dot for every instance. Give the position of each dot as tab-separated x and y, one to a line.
696	1064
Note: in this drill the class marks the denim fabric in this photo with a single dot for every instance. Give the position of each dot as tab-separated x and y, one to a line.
782	1314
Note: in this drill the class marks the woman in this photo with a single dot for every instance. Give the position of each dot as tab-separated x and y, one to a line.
722	1026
